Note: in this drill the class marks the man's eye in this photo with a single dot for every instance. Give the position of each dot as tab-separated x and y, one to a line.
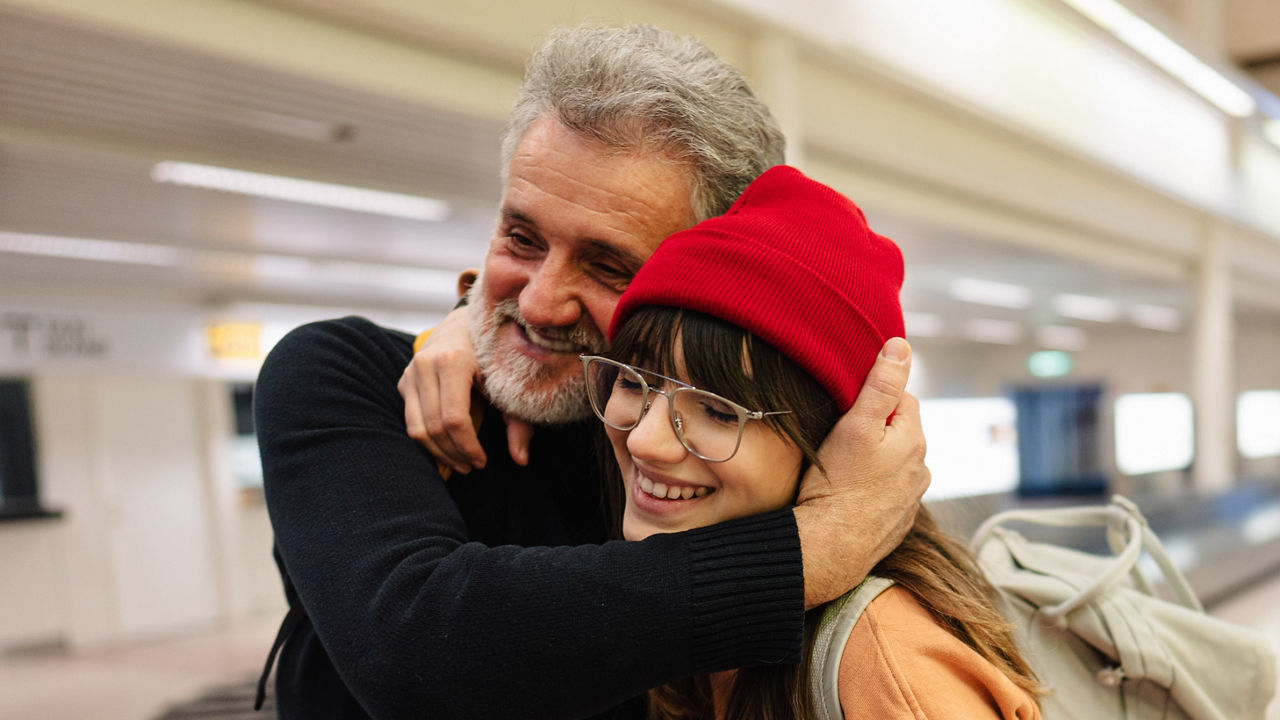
614	276
521	242
613	273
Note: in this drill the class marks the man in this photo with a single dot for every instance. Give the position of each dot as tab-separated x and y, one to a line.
491	595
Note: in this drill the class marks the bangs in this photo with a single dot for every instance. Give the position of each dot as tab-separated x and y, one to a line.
716	354
725	359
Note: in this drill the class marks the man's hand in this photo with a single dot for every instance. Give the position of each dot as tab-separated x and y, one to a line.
437	386
861	509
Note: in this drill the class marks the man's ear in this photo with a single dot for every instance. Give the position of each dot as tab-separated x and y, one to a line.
465	280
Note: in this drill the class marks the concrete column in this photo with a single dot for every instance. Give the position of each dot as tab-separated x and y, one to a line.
775	80
1213	384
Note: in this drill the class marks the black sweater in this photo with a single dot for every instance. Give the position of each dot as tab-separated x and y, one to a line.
492	595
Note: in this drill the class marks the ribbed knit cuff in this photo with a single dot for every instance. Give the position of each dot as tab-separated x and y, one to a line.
747	592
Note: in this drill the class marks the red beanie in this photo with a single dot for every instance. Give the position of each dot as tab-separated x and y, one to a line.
793	262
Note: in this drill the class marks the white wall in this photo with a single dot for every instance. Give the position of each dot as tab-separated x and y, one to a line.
155	538
31	606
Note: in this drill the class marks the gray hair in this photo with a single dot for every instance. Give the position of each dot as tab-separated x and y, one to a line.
641	87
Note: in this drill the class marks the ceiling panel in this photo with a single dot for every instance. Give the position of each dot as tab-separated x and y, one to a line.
85	114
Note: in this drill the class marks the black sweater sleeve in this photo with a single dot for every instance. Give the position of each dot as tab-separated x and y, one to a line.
420	622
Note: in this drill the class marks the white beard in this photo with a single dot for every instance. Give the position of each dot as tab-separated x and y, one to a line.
519	385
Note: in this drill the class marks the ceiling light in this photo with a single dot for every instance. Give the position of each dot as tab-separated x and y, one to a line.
922	324
1155	317
1085	307
987	292
1001	332
302	191
90	249
1172	57
334	273
1061	337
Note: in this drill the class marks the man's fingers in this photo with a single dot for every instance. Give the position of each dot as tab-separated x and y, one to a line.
458	427
908	432
412	407
415	418
519	435
885	383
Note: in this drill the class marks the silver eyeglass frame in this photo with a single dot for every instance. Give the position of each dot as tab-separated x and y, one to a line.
677	423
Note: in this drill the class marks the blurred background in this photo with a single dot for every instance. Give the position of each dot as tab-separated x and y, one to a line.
1087	194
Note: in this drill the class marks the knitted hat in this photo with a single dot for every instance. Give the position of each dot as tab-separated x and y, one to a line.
793	262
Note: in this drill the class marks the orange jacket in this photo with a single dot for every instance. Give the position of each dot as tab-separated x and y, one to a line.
900	663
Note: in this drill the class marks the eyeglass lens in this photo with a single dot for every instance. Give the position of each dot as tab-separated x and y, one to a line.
706	423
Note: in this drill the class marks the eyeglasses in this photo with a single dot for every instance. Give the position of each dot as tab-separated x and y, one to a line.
708	425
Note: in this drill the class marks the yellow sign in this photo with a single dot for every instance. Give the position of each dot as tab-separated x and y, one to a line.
231	340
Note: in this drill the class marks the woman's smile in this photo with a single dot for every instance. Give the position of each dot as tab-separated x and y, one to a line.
669	489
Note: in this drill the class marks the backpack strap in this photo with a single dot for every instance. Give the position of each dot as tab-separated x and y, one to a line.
838	619
287	626
1128	534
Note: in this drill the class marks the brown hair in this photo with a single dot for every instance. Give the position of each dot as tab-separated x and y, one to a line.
936	568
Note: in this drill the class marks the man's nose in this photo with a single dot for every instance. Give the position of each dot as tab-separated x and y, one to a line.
653	438
551	297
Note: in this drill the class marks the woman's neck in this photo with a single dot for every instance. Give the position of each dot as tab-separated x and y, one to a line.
721	686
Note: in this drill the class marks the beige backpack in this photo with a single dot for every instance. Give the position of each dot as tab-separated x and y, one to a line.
1102	640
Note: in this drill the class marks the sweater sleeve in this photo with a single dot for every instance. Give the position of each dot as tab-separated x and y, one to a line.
418	621
900	664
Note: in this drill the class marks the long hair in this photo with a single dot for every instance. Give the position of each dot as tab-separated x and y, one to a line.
937	569
641	88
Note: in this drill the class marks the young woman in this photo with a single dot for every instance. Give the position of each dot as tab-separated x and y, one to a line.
734	351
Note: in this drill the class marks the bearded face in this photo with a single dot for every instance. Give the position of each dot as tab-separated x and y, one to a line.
541	390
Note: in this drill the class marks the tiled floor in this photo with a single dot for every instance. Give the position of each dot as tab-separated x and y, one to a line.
136	682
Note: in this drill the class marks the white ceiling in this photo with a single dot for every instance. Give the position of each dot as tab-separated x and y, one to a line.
84	116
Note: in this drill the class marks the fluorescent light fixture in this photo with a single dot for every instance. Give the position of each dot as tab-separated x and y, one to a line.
283	267
90	249
1061	337
1085	307
334	273
922	324
1000	332
1156	317
1271	129
297	190
989	292
1175	59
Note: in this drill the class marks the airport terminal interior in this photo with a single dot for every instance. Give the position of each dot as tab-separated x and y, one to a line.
1086	194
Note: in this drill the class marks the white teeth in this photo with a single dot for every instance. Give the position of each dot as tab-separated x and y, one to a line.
547	343
664	491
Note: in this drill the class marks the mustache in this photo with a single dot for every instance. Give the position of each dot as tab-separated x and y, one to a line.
582	333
